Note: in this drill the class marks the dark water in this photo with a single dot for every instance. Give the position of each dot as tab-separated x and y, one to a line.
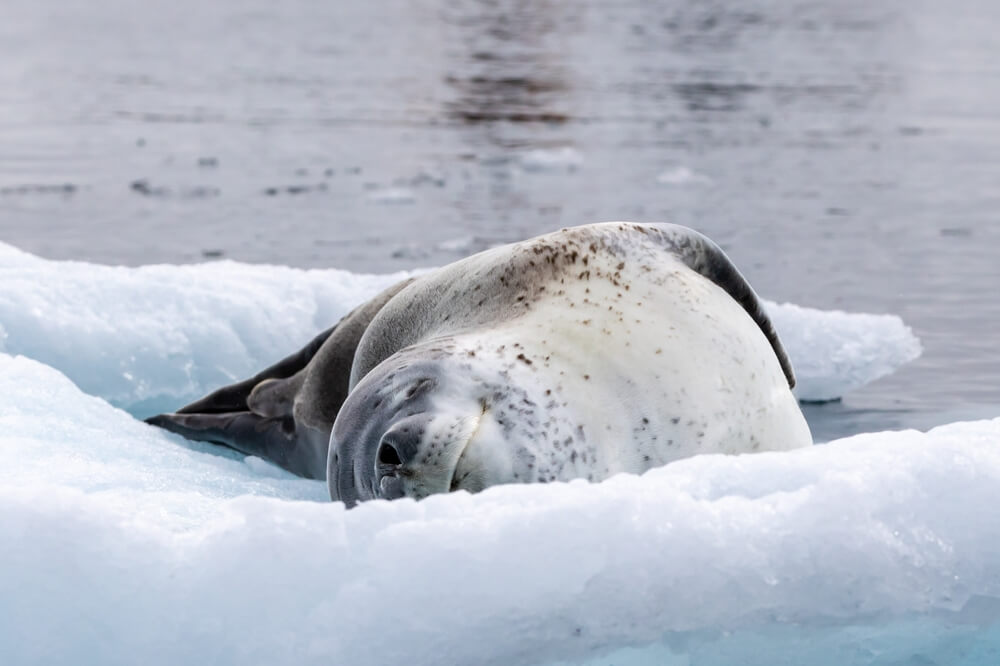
845	153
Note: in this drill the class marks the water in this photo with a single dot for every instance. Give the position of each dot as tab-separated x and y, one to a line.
844	152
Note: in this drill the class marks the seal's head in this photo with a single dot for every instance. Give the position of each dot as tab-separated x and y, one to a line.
407	430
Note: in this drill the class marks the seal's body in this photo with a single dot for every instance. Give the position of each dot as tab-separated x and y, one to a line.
594	350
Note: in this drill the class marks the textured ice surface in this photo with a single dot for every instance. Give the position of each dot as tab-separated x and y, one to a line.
120	544
152	338
54	435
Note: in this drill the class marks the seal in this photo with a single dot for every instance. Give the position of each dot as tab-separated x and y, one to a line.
583	353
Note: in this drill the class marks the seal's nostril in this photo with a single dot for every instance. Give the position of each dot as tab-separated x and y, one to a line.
388	455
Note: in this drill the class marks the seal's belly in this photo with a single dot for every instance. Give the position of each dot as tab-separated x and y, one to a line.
638	370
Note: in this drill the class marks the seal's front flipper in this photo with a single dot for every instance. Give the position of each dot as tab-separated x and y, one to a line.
272	438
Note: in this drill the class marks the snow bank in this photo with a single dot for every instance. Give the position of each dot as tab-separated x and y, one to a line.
120	544
149	339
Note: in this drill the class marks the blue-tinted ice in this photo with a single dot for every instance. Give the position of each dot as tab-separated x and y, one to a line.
121	544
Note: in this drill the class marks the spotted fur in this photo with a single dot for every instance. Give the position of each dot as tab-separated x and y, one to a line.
583	353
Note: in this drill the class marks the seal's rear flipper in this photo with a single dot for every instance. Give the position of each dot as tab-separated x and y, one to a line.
233	398
254	416
284	413
272	438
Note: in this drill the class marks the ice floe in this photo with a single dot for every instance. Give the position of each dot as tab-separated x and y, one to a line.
121	544
153	337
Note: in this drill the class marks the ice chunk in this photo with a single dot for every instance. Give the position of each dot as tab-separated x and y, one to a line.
682	175
393	195
152	338
120	545
551	159
835	352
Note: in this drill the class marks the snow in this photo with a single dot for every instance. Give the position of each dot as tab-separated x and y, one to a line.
125	545
151	338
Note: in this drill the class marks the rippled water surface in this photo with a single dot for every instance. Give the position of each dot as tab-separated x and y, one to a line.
845	153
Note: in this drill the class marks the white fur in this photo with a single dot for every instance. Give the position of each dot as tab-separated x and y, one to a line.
674	349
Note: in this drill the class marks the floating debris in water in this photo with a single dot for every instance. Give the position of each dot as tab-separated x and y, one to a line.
32	188
143	187
424	178
295	189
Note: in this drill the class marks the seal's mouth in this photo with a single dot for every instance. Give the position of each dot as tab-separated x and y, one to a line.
455	479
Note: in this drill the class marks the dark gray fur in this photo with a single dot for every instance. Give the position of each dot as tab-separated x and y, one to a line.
284	413
353	472
288	412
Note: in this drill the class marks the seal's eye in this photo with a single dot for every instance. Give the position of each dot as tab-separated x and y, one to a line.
422	385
